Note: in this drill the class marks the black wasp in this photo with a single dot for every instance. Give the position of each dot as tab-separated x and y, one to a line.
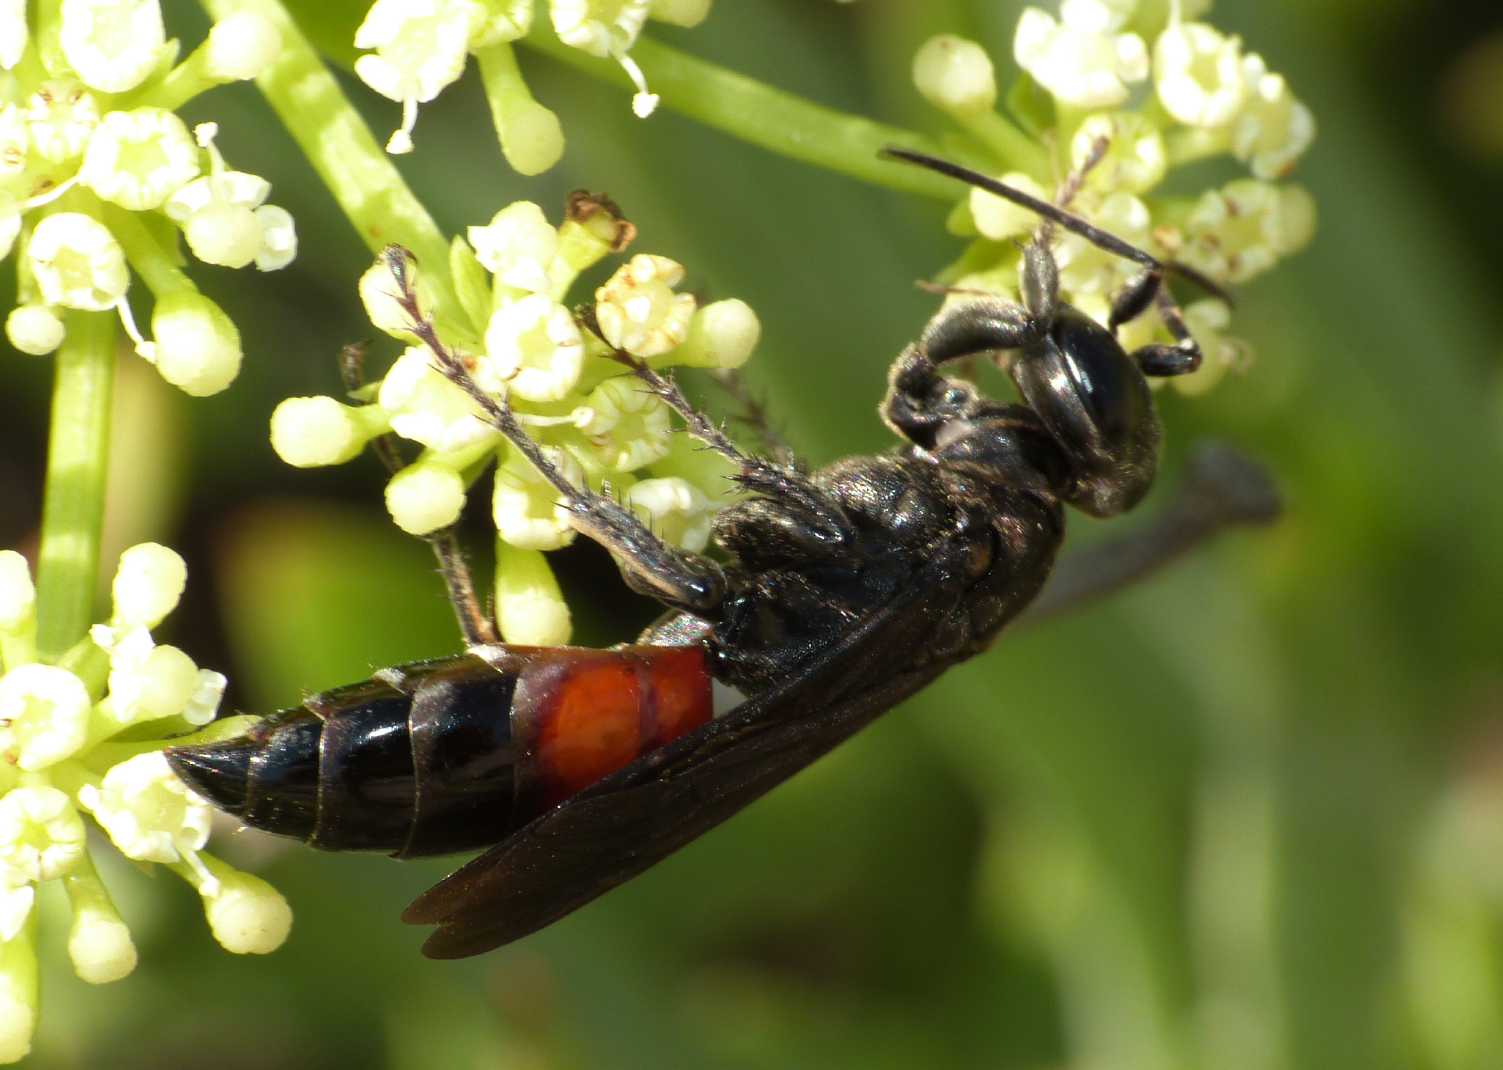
844	592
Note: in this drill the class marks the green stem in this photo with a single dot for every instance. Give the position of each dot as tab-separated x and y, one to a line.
147	258
341	148
77	460
758	113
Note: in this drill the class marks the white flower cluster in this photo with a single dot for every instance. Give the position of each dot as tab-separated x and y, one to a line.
61	757
1202	95
99	176
417	47
593	418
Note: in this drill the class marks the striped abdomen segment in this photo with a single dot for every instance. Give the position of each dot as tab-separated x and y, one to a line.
451	754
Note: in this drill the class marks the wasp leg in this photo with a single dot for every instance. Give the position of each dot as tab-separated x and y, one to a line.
919	399
649	566
755	417
1221	489
826	522
474	624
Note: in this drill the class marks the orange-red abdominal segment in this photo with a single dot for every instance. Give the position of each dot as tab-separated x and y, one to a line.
593	712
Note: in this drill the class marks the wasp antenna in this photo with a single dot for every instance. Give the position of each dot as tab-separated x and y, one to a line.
1205	282
1052	212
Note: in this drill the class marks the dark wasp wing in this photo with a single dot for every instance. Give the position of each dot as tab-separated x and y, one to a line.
636	817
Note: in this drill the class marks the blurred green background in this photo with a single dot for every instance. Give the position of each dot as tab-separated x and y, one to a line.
1248	815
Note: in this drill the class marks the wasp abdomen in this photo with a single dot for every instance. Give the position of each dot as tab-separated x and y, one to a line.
451	754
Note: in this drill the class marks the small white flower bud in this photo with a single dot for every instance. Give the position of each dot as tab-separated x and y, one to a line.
197	347
77	263
630	427
517	246
607	28
955	75
674	510
1273	128
722	334
530	609
638	310
528	511
424	497
41	834
137	159
217	214
426	407
246	915
61	116
680	12
1244	228
13	32
148	812
532	139
18	595
44	715
316	431
100	946
1000	219
420	49
34	329
112	44
535	347
378	293
148	583
1097	16
278	238
599	27
157	683
240	46
1198	73
1135	159
225	234
495	21
1296	220
203	703
1081	68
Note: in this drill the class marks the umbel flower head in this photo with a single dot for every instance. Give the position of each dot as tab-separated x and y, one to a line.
520	336
1126	91
416	48
63	759
100	180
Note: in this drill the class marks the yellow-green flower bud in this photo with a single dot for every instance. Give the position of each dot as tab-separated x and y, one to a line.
955	75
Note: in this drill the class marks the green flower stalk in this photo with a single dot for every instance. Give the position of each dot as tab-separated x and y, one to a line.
514	322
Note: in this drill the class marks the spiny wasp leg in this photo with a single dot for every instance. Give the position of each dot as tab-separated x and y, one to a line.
650	566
